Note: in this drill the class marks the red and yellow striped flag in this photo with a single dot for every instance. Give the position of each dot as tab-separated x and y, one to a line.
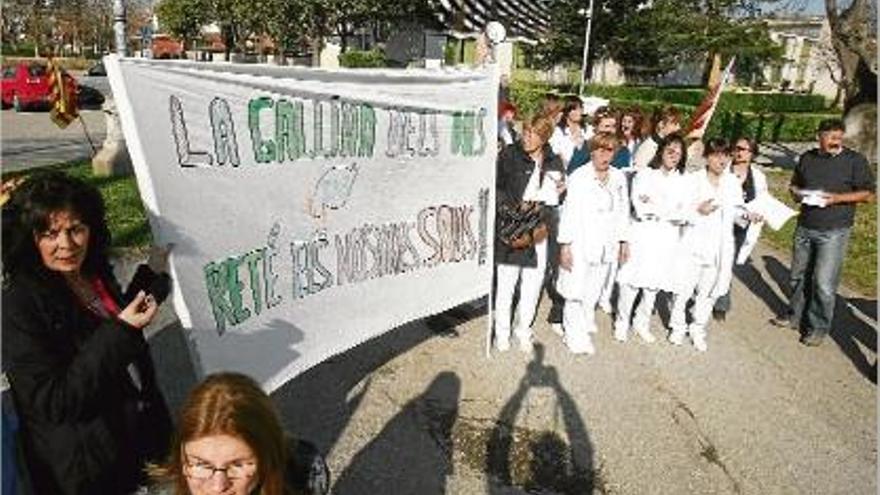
62	96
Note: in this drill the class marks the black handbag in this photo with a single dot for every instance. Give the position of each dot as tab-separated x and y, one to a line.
523	225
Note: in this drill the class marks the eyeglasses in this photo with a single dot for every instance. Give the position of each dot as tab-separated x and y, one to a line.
234	471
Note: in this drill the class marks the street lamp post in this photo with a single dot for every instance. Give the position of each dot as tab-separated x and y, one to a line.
589	13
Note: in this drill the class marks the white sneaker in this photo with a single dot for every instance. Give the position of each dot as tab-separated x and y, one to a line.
620	334
677	336
646	335
699	341
584	347
557	329
502	345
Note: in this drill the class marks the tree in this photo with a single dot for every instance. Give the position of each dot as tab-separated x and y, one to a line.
653	38
183	18
856	48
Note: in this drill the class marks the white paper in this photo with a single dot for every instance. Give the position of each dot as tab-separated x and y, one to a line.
310	210
775	212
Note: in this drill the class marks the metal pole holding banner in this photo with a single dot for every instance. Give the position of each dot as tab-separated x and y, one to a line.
113	159
119	27
586	47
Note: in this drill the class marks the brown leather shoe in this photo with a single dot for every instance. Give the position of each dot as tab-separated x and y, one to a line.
813	339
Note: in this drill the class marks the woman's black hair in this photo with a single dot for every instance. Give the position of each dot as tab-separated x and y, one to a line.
716	145
664	143
572	102
753	145
29	213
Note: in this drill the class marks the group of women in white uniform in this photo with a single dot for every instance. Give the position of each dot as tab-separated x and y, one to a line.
646	228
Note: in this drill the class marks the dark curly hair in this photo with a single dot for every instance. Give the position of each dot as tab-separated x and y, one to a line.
29	213
657	161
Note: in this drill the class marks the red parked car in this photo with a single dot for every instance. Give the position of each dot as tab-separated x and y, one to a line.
26	86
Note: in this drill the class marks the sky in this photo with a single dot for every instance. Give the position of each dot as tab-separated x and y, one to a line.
810	7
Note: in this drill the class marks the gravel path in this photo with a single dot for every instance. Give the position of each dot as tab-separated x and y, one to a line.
421	410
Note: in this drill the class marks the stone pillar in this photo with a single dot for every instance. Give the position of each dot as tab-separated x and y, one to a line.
113	159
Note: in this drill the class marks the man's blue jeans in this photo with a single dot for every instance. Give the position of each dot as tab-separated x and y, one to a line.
815	273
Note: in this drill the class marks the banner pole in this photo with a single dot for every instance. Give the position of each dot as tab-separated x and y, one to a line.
88	136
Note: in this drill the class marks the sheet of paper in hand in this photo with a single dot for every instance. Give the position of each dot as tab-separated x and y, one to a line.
310	210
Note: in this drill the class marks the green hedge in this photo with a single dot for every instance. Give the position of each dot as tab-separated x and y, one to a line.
362	59
736	102
730	102
764	126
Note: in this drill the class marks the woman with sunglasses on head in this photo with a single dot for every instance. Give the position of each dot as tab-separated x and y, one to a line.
659	198
230	441
78	364
747	228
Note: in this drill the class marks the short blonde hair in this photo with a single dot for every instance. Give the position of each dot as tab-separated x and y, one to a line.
604	139
540	125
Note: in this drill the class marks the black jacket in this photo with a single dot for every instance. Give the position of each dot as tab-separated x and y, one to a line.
514	169
87	428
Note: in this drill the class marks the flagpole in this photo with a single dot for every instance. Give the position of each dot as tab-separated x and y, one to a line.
88	136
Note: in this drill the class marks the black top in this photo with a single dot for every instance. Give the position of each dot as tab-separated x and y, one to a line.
842	173
514	169
87	426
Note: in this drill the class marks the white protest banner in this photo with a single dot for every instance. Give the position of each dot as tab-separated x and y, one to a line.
310	210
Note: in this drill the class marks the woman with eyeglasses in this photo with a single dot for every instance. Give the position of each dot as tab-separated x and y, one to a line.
659	198
74	352
747	229
230	441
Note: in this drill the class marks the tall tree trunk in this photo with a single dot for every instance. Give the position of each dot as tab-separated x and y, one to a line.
857	53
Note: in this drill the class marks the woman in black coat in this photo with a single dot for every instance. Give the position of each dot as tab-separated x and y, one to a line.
526	171
73	348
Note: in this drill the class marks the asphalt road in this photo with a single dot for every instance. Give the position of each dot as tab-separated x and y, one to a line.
31	139
421	410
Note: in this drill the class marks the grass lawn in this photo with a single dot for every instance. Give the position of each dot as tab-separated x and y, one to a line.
860	263
125	212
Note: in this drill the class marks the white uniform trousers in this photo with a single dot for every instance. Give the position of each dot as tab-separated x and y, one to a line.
703	302
532	280
642	319
579	315
608	287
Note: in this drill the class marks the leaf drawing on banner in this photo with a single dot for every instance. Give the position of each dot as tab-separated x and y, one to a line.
333	189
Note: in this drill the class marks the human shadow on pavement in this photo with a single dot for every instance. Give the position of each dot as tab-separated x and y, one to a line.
551	464
849	331
752	278
318	404
413	452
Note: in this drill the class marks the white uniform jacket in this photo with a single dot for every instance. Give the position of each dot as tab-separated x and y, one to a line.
594	220
754	229
660	200
707	241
